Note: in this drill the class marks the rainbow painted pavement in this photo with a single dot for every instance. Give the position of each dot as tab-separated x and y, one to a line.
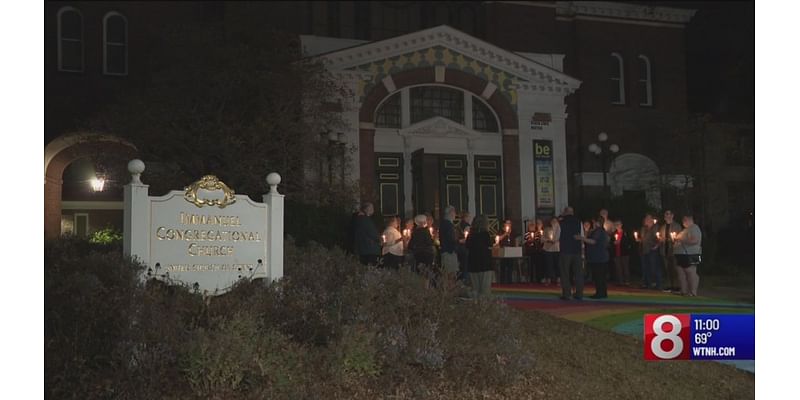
621	312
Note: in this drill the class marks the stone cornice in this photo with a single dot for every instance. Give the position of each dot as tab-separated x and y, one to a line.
457	41
540	89
624	11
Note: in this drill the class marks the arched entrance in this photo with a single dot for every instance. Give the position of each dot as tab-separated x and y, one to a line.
636	173
65	150
468	164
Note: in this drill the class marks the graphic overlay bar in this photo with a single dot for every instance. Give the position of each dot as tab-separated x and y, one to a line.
699	337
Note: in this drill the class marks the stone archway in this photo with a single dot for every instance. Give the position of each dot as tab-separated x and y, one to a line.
635	172
506	113
59	154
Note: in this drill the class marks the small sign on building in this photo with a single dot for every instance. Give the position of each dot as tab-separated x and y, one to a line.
540	120
205	236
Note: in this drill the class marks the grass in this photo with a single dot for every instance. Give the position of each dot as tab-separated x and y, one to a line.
576	361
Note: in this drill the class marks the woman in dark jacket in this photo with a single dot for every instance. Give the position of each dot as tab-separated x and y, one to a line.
421	243
479	246
597	256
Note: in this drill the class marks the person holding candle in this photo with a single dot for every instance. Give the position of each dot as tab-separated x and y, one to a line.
366	239
669	229
533	242
623	246
650	252
421	243
596	241
551	250
570	256
688	253
463	229
505	239
479	246
409	256
448	241
392	244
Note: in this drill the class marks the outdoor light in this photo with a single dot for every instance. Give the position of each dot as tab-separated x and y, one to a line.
98	183
597	149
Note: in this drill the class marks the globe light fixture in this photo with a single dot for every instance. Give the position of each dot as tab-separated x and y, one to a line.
597	150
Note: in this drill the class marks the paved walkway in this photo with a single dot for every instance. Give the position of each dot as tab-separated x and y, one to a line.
622	311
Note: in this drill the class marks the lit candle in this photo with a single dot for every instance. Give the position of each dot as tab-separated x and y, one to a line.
541	232
507	228
616	237
466	232
655	221
431	230
383	238
658	235
673	234
497	239
636	235
406	232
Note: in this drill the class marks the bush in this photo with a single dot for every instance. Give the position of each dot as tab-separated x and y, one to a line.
106	236
330	329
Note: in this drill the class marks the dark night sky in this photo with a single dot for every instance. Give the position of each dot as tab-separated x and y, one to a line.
721	57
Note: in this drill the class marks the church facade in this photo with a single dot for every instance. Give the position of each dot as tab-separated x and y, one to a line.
491	107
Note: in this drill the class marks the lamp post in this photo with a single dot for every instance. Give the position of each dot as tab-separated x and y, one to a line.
602	150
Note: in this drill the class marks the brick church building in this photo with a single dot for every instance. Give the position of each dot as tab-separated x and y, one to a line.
509	109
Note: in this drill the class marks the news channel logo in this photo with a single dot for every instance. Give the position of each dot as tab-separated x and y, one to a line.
699	337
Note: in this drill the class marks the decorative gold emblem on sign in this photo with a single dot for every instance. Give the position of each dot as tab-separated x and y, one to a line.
210	183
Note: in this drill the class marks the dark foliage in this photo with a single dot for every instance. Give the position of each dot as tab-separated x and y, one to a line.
330	329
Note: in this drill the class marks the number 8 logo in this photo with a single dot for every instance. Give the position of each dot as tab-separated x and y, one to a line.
672	336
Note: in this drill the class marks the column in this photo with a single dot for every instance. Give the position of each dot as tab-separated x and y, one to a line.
511	178
136	216
273	270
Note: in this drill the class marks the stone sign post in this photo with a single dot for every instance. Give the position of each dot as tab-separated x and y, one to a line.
205	236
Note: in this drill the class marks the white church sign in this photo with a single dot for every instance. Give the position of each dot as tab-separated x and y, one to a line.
205	236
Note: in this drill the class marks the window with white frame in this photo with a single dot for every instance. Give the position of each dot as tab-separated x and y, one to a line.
483	119
70	40
115	44
432	101
388	115
645	84
419	103
617	79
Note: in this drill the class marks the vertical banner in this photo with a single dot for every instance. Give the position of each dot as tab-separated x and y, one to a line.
543	177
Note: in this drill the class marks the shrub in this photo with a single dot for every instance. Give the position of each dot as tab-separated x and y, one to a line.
106	236
331	328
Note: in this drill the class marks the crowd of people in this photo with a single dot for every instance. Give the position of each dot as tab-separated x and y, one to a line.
561	250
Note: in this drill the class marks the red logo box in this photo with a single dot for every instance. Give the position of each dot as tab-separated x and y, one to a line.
666	337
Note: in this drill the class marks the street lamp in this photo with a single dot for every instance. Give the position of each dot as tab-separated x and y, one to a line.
602	150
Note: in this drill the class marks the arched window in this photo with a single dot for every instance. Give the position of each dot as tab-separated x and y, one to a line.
115	44
617	79
432	101
645	81
483	119
70	40
389	113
